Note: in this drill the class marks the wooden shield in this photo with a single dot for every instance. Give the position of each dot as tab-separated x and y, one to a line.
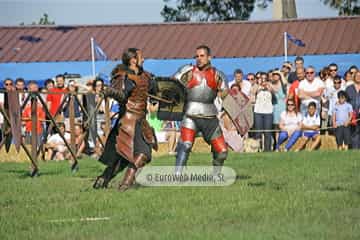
238	107
172	90
15	118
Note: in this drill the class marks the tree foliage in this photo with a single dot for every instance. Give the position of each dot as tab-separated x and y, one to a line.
345	7
224	10
207	10
44	20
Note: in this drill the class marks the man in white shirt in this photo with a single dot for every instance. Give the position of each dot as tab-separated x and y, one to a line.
56	144
244	85
310	126
310	90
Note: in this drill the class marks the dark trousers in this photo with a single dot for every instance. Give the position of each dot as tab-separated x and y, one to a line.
355	136
343	135
264	121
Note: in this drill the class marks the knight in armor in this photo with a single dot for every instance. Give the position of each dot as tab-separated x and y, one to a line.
202	83
131	140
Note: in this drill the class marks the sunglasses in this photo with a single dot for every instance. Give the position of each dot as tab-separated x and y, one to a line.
309	72
333	70
8	84
337	82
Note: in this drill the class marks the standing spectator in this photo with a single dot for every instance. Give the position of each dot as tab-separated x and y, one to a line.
20	87
245	86
353	69
285	70
349	78
263	113
114	112
332	96
26	115
279	95
8	85
294	88
98	87
254	87
310	90
299	63
341	121
55	97
49	84
333	72
290	126
310	127
353	92
73	89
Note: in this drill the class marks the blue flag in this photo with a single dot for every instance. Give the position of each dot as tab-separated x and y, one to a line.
296	41
99	53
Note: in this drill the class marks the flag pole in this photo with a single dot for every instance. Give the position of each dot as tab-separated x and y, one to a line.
285	46
92	56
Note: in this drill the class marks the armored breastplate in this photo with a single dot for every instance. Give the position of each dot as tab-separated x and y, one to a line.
201	92
138	99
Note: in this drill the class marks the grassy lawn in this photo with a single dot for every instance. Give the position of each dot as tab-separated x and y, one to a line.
276	196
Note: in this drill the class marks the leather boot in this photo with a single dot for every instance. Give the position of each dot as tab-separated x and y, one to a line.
128	179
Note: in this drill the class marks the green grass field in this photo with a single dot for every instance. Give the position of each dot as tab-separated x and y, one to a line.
276	196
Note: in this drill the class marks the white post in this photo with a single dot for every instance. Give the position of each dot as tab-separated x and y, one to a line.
92	56
285	45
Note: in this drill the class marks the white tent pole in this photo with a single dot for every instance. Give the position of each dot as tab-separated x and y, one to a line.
92	56
285	46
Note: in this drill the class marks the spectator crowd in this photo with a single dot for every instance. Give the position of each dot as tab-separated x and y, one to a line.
295	103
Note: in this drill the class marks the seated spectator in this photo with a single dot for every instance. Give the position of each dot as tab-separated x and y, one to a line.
310	127
290	126
342	115
79	140
55	145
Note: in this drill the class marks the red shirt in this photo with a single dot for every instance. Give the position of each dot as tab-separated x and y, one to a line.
55	99
27	115
293	90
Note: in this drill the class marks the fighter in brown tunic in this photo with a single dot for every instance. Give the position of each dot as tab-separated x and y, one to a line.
131	139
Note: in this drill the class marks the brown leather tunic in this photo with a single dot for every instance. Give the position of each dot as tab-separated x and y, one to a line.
134	115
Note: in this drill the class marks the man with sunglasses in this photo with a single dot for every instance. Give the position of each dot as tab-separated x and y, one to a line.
203	83
310	90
